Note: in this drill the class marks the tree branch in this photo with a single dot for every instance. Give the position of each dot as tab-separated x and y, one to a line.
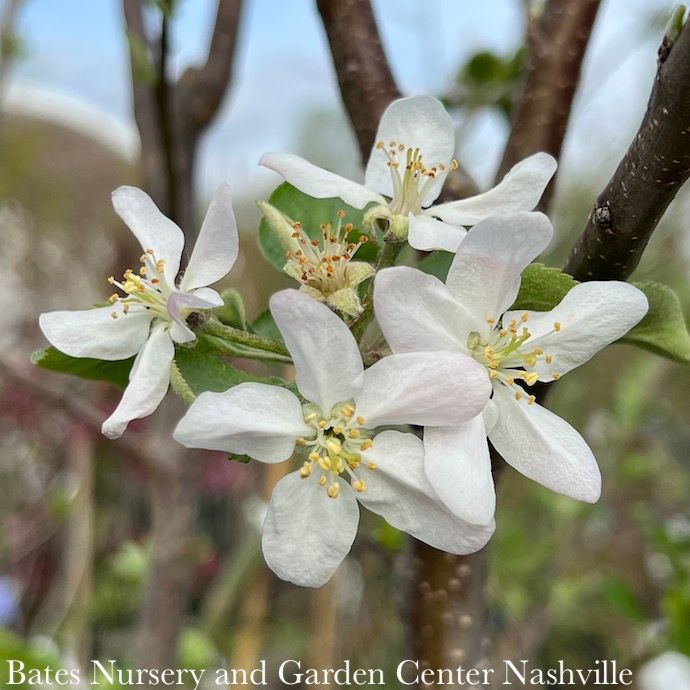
557	41
654	168
201	89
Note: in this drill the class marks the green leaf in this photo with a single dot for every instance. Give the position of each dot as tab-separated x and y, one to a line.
542	288
266	326
437	264
663	330
311	213
232	313
116	372
205	373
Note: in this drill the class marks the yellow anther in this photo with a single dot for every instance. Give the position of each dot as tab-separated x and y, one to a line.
510	380
556	326
305	470
353	433
366	444
314	456
324	464
524	317
371	465
358	485
453	165
111	280
556	376
538	351
379	145
322	423
518	396
114	315
491	322
113	298
360	420
300	442
548	359
348	410
340	213
530	377
322	480
333	490
159	265
338	430
531	399
149	252
493	374
334	446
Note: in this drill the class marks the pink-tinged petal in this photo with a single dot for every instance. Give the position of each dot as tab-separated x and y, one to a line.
423	388
252	419
544	447
398	490
328	365
180	305
317	182
151	228
417	313
520	190
591	316
147	386
458	466
95	333
216	248
485	274
427	233
306	534
414	122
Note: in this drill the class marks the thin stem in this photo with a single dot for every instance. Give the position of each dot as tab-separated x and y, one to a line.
232	349
179	384
215	328
388	257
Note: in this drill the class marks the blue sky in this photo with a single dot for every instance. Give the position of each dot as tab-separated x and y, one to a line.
283	72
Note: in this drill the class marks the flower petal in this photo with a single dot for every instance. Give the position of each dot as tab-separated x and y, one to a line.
415	122
544	447
252	419
95	333
428	233
151	228
307	534
590	316
458	466
210	296
424	388
485	274
399	491
417	313
148	384
216	248
180	305
520	190
317	182
328	366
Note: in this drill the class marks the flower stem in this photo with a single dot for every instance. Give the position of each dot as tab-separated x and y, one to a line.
389	254
245	342
179	384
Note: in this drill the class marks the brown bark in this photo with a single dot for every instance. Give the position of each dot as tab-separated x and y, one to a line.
556	45
654	168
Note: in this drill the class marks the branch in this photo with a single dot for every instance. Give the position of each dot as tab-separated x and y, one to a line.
654	168
201	90
557	41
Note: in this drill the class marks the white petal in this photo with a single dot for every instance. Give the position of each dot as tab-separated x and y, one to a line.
428	233
307	534
147	387
417	313
591	316
252	419
328	366
151	228
458	466
485	274
399	491
415	122
95	333
423	388
216	247
317	182
669	671
209	295
520	190
179	306
544	447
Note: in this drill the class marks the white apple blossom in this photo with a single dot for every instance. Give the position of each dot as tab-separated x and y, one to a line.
408	165
150	316
313	515
469	314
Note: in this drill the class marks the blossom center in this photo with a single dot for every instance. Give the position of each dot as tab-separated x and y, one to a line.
508	356
336	447
145	289
322	263
410	175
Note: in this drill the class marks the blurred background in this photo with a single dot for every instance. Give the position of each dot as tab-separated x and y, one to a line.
568	581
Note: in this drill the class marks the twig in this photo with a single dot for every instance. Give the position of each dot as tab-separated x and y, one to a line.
654	168
217	329
557	41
